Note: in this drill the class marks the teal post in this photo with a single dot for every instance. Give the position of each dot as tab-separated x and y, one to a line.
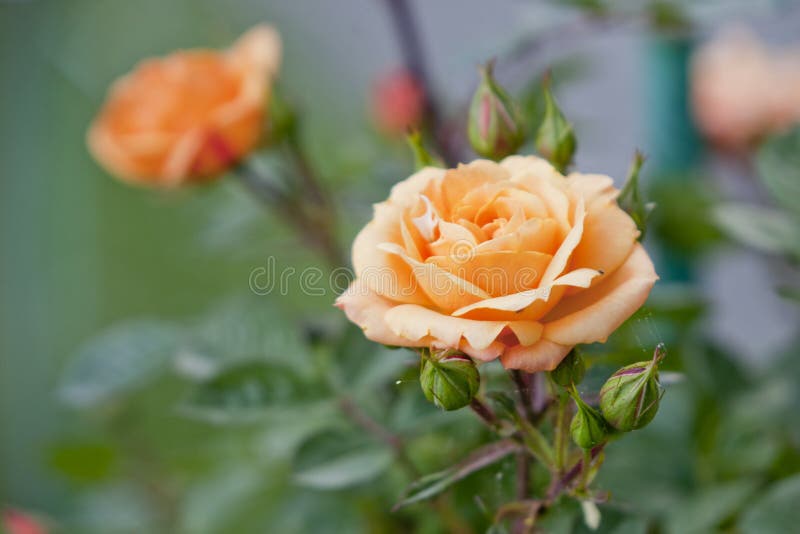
673	145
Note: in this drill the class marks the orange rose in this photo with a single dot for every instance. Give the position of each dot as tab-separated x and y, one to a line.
189	115
509	260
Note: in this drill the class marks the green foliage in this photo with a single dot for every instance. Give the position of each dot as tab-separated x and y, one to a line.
241	392
435	483
778	165
118	361
337	472
766	229
776	511
83	461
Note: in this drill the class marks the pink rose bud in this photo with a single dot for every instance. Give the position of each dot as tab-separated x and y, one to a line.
398	102
16	522
494	126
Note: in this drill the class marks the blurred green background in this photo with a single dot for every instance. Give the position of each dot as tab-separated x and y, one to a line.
80	252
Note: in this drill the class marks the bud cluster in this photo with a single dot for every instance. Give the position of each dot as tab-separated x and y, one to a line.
496	128
629	399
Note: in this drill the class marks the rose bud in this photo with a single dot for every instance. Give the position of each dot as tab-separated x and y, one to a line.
449	379
570	371
17	522
631	199
189	116
629	399
398	103
588	428
494	127
555	139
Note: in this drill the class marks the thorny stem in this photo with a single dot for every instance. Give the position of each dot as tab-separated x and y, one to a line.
410	44
587	463
560	484
319	235
395	442
523	383
522	484
561	432
483	412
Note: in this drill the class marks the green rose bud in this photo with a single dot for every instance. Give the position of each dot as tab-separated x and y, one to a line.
555	139
494	126
449	378
588	428
631	199
629	399
570	371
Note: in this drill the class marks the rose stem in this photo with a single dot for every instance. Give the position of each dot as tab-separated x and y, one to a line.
408	36
562	483
483	412
318	236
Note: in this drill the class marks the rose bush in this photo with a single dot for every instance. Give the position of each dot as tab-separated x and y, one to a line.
510	260
189	115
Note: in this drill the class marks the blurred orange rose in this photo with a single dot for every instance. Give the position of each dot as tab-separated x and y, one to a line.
742	91
509	260
398	102
189	115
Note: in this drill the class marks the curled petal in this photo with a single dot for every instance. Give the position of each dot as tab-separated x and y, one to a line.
446	290
416	323
592	315
519	301
368	310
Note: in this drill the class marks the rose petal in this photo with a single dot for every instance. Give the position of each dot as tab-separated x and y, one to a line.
609	232
367	309
406	193
519	301
592	315
497	273
385	273
541	356
446	290
569	244
415	323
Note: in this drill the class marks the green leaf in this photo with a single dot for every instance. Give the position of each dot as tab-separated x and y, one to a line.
243	328
777	511
120	360
286	428
219	497
350	469
704	511
778	165
766	229
241	393
435	483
